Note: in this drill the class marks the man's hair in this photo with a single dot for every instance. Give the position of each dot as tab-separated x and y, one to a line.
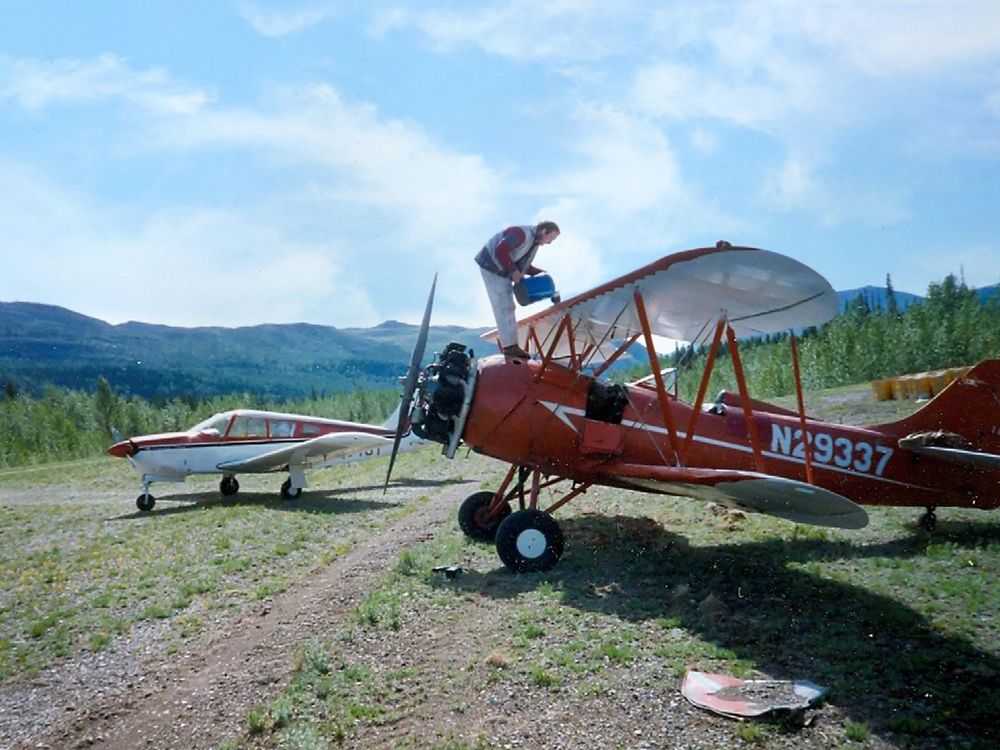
546	226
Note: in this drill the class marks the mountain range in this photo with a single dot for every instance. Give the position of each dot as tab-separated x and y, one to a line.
43	345
47	345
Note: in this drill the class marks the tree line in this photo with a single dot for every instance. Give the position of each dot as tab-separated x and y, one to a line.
65	424
950	328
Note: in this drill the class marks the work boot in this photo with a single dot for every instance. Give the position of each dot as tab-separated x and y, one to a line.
515	351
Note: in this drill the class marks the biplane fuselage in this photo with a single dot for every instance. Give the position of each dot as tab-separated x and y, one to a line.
528	415
553	420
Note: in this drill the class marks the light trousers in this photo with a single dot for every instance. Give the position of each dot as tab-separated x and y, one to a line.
501	295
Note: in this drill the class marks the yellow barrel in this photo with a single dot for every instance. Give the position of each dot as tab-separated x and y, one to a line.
882	389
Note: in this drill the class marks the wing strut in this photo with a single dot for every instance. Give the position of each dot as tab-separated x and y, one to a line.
807	452
709	364
654	365
741	381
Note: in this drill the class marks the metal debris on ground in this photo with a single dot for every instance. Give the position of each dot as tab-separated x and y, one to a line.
745	699
450	571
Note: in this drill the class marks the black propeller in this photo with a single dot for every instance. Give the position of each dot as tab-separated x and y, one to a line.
410	384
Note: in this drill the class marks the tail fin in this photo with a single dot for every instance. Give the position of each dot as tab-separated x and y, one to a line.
392	420
968	407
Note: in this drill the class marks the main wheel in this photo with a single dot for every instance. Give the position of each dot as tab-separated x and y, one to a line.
473	517
145	502
229	486
529	541
287	492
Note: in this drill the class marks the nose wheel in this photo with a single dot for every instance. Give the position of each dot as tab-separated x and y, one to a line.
288	492
229	486
145	502
529	541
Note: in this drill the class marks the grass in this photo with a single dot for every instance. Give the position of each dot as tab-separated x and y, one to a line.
899	624
83	570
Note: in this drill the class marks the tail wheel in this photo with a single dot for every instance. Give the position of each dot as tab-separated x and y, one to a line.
529	541
145	502
928	521
473	517
229	486
287	492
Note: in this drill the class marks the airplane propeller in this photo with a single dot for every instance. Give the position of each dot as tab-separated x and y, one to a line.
410	383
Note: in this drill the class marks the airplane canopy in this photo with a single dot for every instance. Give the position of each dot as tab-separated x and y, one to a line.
685	294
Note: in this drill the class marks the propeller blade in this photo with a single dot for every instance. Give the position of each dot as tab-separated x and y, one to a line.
410	384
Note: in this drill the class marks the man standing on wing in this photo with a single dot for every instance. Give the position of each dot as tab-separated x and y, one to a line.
505	259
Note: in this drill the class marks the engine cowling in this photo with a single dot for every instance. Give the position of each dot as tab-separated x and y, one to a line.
444	391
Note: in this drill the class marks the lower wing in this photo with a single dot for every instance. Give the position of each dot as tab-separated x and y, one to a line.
746	490
315	451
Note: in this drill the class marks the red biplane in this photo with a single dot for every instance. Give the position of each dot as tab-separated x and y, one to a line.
557	422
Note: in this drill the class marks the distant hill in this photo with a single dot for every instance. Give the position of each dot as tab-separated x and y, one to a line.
876	297
47	345
44	345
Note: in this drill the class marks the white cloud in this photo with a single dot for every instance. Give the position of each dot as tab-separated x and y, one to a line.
901	37
560	30
391	165
36	84
791	186
185	266
271	22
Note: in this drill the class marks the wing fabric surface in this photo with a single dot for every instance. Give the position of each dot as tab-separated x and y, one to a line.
745	490
684	294
309	452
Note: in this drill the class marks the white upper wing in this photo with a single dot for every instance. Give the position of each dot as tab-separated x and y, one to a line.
315	451
684	294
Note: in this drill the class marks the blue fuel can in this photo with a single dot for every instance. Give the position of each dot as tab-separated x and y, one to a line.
535	288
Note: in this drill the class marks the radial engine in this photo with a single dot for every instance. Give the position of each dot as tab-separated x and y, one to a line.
443	395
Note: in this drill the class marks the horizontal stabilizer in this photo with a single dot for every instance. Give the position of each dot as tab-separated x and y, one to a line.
745	490
960	456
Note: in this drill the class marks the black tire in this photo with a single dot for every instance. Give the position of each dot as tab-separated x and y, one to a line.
529	541
145	502
229	486
928	521
287	492
472	517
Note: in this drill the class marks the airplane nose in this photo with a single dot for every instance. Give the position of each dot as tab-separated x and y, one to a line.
124	449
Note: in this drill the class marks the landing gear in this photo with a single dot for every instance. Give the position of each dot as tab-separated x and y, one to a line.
529	541
473	517
229	486
928	521
145	502
287	492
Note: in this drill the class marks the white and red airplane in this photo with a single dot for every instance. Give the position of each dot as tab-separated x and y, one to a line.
247	441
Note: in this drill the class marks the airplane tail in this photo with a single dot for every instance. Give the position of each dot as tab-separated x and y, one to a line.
965	415
392	420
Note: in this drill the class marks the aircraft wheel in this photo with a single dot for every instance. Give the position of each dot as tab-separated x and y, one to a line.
529	541
229	486
473	517
145	502
287	492
928	521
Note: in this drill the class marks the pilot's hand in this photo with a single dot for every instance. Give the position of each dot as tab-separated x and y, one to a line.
516	276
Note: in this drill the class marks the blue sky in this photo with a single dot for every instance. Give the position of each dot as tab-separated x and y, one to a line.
234	163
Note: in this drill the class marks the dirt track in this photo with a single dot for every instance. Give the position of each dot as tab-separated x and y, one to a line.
135	696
